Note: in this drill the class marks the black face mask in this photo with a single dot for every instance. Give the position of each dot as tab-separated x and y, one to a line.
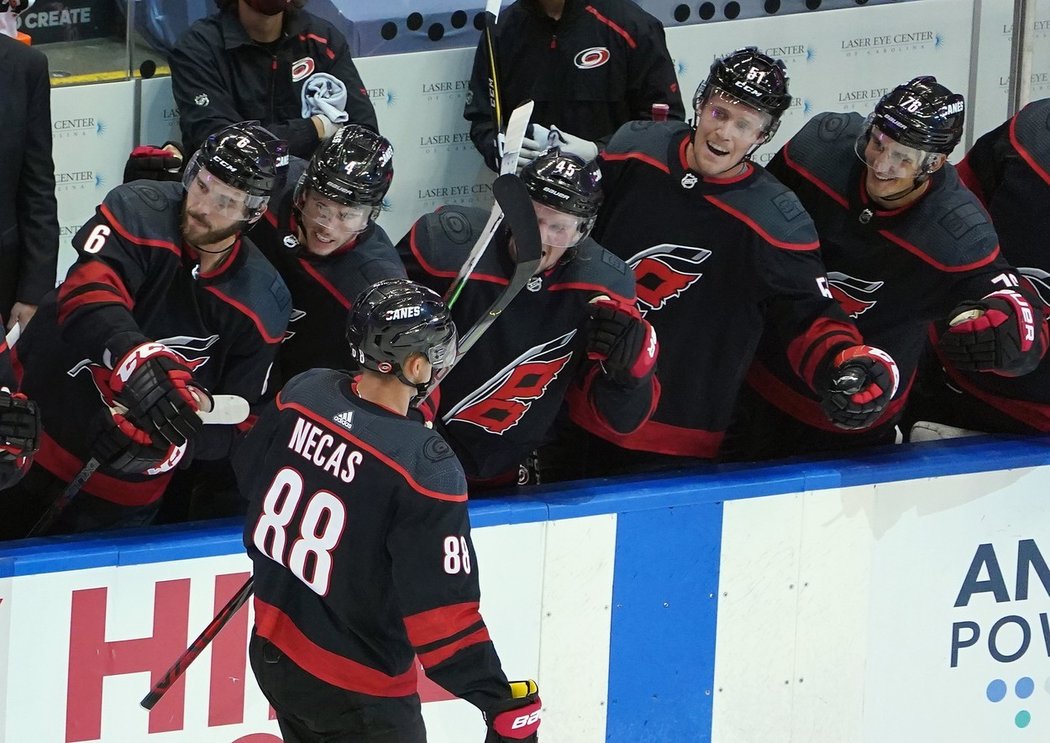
268	7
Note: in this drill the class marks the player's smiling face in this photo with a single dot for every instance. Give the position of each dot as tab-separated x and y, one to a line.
892	168
329	225
726	130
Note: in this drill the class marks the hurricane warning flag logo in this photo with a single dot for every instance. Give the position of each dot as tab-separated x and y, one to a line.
499	404
664	271
193	352
851	293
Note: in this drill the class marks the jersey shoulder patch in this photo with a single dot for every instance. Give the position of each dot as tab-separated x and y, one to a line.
146	211
821	147
444	237
1031	132
950	226
647	141
772	210
594	266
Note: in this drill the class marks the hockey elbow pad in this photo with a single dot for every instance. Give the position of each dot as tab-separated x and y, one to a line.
517	719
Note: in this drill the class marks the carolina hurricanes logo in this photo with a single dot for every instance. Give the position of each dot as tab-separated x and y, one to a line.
499	404
302	68
590	58
191	350
296	316
664	271
1040	281
849	293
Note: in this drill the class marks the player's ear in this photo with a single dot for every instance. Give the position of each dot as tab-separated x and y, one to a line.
416	368
936	164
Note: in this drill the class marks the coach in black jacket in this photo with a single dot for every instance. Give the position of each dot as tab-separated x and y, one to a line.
28	211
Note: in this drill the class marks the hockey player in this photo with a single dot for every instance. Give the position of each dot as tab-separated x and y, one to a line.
19	424
320	233
905	244
1009	170
360	540
589	66
166	300
575	330
721	251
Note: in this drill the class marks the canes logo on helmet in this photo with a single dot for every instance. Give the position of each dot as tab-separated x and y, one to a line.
499	404
849	292
192	351
593	57
664	271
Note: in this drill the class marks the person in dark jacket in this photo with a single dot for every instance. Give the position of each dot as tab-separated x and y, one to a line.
28	210
590	66
252	61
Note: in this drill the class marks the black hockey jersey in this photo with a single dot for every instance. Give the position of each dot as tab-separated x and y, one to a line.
358	530
603	63
498	404
715	262
1009	170
322	287
893	271
135	280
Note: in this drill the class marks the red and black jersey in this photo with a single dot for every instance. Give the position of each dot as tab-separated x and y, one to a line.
1009	170
716	262
134	281
358	530
323	288
498	404
11	467
893	271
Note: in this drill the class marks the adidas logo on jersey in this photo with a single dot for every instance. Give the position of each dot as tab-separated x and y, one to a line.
345	419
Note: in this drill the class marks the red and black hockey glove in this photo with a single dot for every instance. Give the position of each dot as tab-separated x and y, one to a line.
153	383
19	428
995	334
126	448
621	339
516	720
863	381
150	163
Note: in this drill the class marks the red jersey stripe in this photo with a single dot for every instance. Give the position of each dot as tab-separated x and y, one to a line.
626	36
430	626
435	657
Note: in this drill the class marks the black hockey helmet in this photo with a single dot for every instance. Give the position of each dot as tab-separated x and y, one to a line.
922	114
244	156
565	183
396	318
753	78
354	166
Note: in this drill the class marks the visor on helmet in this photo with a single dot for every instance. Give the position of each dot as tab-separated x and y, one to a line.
219	197
340	222
559	229
888	157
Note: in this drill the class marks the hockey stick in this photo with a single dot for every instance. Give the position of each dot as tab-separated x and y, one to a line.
495	100
517	206
197	646
515	136
13	335
224	410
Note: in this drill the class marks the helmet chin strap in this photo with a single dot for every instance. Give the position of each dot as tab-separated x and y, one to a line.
916	184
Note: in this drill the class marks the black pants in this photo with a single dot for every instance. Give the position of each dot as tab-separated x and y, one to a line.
27	500
761	431
310	710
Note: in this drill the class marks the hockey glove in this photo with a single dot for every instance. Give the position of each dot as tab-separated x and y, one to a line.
994	334
153	164
570	144
516	720
536	142
19	427
621	339
153	384
863	381
123	447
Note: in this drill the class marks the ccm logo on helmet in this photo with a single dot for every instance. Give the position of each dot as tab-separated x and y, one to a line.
402	313
588	59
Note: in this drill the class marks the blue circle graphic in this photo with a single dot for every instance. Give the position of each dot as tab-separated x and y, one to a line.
1022	718
1024	687
996	690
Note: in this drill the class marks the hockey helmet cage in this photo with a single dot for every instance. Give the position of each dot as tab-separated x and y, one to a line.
922	114
396	318
565	183
751	77
354	166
